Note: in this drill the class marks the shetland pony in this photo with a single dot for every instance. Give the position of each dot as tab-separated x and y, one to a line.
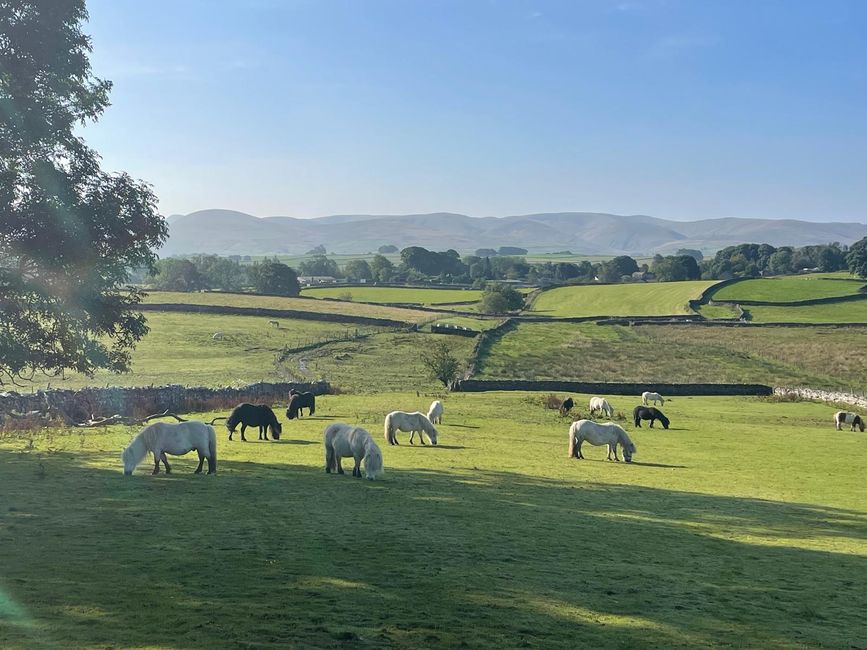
298	401
647	397
601	404
254	415
413	422
175	438
345	440
651	413
845	417
599	433
435	412
567	405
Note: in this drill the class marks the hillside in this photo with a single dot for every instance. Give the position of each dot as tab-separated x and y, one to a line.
228	232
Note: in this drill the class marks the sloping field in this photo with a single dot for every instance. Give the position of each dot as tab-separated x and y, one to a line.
789	289
180	349
652	299
820	357
298	304
735	528
408	295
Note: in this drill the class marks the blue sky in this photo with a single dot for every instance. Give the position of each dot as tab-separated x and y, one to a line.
678	109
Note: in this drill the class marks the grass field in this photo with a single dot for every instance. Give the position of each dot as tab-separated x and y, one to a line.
738	527
656	299
822	358
839	312
788	289
727	312
298	304
408	295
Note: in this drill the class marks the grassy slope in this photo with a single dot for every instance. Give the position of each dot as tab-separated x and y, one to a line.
657	299
413	295
744	534
299	304
787	289
818	357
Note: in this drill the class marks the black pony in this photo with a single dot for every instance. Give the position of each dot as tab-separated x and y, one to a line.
298	401
649	413
254	415
566	406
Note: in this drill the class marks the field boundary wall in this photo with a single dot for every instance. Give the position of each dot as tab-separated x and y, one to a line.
822	395
272	313
610	388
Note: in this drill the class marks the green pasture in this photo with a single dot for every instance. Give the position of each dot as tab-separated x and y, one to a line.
744	525
654	299
788	289
478	324
407	295
854	311
297	304
717	312
817	357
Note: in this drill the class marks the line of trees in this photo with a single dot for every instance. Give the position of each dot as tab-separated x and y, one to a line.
753	260
212	272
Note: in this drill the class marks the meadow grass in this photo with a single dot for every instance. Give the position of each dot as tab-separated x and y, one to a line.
744	525
298	304
727	312
819	357
408	295
788	289
180	349
478	324
656	299
854	311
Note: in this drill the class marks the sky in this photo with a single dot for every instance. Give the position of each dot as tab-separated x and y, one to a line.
677	109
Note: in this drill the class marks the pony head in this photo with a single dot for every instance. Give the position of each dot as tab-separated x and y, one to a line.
665	421
372	462
432	434
859	421
628	450
277	429
130	459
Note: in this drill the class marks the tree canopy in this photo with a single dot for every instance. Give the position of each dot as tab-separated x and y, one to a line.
69	232
857	258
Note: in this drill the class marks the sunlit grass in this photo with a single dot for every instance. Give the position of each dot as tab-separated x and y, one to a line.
653	299
788	289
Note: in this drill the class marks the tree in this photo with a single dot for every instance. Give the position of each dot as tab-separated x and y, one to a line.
69	232
613	270
381	268
174	274
387	248
319	265
221	272
275	278
500	298
675	268
358	270
440	364
316	250
692	252
857	258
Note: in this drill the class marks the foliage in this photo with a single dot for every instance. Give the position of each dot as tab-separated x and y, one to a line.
857	258
221	273
274	278
752	260
613	270
358	270
177	274
319	265
430	263
500	298
440	363
486	252
316	250
692	252
69	232
505	251
387	248
675	268
381	268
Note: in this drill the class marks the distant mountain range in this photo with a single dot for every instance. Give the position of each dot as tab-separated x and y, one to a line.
226	232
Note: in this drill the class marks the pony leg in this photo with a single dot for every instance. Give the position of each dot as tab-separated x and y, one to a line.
243	437
212	463
411	436
651	422
339	465
166	462
580	455
421	437
156	463
201	462
356	471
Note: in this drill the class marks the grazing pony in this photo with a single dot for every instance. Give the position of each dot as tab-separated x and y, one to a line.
651	413
254	415
298	401
345	440
175	438
845	417
647	396
601	404
412	422
567	405
435	412
599	433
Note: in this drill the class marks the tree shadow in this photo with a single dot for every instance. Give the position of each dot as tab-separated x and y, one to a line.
281	554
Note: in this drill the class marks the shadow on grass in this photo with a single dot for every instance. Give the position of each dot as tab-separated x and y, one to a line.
269	555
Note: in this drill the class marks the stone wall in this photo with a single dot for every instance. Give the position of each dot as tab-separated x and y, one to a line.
859	401
611	388
80	405
271	313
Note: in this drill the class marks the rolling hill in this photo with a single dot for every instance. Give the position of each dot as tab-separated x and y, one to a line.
227	232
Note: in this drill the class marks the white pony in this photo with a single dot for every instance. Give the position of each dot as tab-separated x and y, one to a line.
845	417
599	433
345	440
647	397
435	412
601	404
175	438
413	422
